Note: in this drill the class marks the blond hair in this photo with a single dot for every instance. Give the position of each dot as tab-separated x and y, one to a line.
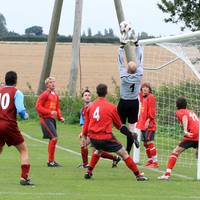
50	78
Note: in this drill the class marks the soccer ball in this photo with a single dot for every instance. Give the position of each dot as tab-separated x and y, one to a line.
125	26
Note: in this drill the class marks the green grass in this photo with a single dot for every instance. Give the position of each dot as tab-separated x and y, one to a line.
68	183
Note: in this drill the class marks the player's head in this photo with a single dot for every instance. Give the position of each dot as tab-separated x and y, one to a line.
146	88
102	90
11	78
181	103
86	95
50	83
131	67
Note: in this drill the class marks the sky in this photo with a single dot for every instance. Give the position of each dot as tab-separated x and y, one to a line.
144	16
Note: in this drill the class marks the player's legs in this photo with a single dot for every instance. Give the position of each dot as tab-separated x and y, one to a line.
129	142
171	162
183	145
25	164
151	151
132	114
131	164
84	152
49	131
94	159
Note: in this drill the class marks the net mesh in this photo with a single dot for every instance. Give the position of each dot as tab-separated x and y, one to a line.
172	68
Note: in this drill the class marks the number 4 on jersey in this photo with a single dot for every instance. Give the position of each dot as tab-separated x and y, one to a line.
96	115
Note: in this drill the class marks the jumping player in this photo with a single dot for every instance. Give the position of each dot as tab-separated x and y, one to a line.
190	123
12	103
48	108
147	123
130	81
99	118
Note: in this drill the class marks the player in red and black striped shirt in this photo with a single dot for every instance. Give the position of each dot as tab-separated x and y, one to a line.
48	108
99	118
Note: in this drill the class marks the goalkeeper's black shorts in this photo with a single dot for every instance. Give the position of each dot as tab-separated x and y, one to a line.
128	110
186	144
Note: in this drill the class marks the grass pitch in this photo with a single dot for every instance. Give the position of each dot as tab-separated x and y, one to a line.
67	182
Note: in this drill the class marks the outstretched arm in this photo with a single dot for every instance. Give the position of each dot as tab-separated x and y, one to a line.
122	67
139	59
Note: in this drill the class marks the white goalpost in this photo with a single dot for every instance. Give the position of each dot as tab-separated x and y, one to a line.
172	67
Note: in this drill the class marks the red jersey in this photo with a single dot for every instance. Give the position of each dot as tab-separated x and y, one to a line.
147	111
47	102
193	123
8	110
99	118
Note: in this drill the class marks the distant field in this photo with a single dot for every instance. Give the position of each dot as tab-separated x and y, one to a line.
98	64
67	182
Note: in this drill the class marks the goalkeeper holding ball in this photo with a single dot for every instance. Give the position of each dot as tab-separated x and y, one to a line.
130	81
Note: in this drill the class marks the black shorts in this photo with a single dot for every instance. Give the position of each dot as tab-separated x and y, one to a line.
147	136
186	144
112	145
48	128
128	109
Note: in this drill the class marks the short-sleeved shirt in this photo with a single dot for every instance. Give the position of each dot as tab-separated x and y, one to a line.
9	131
193	123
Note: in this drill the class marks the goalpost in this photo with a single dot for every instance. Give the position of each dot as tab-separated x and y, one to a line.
172	67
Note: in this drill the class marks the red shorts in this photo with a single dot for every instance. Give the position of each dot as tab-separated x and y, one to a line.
10	134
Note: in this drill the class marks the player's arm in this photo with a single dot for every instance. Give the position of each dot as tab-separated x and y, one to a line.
122	67
19	104
185	126
151	110
139	60
40	105
59	114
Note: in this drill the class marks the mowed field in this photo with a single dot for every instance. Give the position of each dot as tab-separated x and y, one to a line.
98	64
67	182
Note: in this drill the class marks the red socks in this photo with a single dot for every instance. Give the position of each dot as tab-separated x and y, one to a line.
172	160
93	162
25	171
132	166
84	155
108	156
51	149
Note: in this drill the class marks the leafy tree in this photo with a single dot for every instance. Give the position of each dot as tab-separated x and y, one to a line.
186	11
89	32
105	32
3	29
110	32
34	30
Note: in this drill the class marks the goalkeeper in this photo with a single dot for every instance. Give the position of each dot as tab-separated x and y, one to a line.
190	123
130	81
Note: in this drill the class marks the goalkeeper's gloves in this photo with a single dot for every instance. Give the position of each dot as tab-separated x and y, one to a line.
134	40
133	136
123	39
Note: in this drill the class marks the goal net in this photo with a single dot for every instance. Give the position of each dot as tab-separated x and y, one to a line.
172	67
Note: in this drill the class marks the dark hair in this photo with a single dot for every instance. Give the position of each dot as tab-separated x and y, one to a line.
101	90
181	103
146	85
86	90
11	78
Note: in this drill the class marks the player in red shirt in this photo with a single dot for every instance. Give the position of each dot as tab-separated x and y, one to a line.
86	95
147	123
190	122
11	104
48	108
99	118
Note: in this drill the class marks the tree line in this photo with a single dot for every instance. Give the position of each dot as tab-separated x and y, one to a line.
184	11
35	33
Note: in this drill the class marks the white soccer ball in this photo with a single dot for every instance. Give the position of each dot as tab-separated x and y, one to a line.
125	26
